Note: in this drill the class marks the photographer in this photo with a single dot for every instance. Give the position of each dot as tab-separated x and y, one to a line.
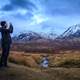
6	41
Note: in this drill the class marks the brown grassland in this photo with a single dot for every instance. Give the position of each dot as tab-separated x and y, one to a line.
64	65
61	59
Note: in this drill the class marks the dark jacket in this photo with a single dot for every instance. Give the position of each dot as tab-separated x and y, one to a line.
5	33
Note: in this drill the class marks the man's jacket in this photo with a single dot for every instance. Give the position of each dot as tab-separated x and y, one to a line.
5	33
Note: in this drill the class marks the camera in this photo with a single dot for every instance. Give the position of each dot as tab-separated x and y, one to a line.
4	25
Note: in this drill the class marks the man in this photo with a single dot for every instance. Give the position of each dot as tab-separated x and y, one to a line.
6	41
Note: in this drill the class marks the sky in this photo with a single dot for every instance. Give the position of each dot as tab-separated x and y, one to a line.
40	15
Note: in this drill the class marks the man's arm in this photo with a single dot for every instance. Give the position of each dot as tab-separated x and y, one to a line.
9	28
0	28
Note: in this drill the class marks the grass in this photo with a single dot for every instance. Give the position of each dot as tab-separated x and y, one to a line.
22	60
25	66
66	59
17	72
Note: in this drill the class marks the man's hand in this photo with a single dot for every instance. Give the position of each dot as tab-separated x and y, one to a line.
7	25
0	26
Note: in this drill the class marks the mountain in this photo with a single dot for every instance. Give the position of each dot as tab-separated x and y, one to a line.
33	36
70	39
72	32
27	36
42	42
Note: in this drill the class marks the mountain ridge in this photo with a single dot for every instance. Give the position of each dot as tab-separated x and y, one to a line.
71	32
33	36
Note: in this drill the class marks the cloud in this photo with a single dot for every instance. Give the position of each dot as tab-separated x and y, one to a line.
7	7
62	7
38	19
42	14
23	14
13	4
21	9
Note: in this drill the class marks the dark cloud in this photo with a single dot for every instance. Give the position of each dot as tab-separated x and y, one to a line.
23	4
7	7
18	4
51	6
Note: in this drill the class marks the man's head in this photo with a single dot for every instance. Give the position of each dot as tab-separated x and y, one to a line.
3	24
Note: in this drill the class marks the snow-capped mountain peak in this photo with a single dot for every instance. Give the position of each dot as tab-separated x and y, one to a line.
33	36
75	28
72	31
